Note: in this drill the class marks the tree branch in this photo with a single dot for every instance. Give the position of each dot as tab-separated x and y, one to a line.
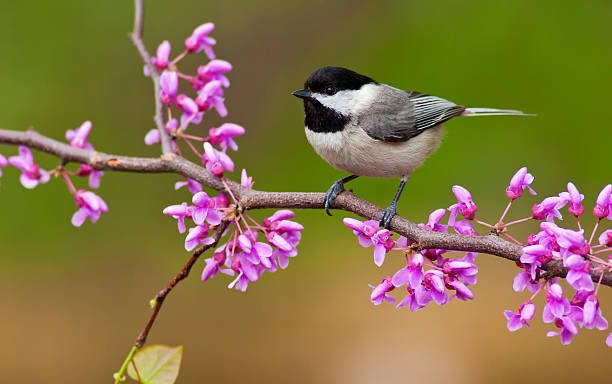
255	199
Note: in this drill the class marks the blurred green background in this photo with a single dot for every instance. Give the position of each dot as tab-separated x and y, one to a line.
73	300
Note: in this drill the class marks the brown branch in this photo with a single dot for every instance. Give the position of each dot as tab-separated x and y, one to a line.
254	199
158	301
136	37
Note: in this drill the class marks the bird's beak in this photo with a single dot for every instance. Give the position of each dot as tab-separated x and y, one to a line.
302	94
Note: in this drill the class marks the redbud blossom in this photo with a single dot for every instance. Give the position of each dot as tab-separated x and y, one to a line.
369	234
204	210
198	235
465	205
574	198
90	206
517	320
223	136
94	175
168	84
603	205
592	316
215	70
161	60
380	292
211	96
199	40
31	175
78	137
245	180
153	136
518	183
606	238
548	209
192	185
216	161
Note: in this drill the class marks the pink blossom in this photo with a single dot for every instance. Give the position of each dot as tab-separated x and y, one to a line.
161	60
153	136
549	208
517	320
465	228
215	161
603	205
211	96
380	292
518	183
179	212
78	137
412	274
465	205
223	136
94	175
574	198
187	105
31	175
369	234
578	276
592	316
204	210
567	328
215	70
433	222
168	84
199	40
606	238
192	185
556	305
523	280
410	301
198	235
90	206
245	180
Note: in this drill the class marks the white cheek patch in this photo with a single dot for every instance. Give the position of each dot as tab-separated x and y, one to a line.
348	102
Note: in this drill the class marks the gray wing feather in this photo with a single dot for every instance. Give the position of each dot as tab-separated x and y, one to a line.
399	115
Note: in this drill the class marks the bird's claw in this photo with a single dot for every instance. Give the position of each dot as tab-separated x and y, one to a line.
331	195
387	216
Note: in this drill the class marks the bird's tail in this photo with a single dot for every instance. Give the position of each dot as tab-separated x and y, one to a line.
492	112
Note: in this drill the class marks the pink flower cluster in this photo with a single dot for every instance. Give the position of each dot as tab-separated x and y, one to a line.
89	204
252	248
578	253
208	82
428	276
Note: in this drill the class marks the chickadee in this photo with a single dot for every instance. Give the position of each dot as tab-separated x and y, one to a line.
371	129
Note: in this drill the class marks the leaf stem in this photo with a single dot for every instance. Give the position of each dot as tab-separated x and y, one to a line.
120	375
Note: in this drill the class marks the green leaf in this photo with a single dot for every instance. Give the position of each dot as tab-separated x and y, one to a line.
156	364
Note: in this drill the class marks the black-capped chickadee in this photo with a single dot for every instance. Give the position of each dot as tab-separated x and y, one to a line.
372	129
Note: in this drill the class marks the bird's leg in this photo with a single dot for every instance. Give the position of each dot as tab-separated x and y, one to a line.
387	215
334	190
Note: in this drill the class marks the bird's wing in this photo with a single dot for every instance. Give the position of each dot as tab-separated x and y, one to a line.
399	115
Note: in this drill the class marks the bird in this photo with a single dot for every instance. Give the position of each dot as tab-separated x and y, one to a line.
371	129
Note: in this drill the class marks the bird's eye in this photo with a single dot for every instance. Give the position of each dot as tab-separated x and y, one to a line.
330	90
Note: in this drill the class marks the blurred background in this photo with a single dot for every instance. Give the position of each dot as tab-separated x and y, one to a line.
73	300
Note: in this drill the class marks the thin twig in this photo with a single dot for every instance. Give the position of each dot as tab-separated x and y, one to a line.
158	301
136	37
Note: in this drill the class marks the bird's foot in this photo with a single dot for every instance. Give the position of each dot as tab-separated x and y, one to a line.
387	215
331	194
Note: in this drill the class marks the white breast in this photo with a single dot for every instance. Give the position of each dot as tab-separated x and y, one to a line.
353	151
